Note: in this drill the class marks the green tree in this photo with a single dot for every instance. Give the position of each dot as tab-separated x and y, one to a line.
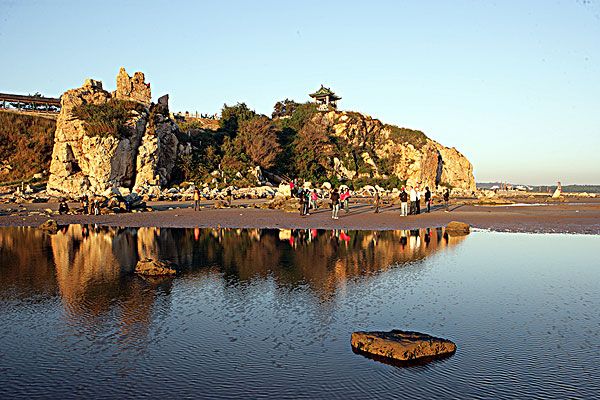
232	116
313	152
257	138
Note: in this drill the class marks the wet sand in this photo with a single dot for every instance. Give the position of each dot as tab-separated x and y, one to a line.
577	216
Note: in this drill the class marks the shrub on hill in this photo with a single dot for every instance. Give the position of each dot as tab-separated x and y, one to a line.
404	135
107	119
25	144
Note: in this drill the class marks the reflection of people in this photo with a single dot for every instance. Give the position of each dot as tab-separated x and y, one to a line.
335	204
344	236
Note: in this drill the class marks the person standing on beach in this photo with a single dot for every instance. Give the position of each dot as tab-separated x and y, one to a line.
377	199
335	204
196	199
446	199
346	197
418	203
306	196
342	197
313	199
86	205
229	197
403	202
413	201
428	198
302	200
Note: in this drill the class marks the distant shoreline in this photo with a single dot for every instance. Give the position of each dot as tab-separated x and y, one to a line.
579	216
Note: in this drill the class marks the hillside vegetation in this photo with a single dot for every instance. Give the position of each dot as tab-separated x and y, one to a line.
25	145
294	142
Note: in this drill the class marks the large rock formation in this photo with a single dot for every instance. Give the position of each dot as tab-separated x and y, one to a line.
365	147
143	154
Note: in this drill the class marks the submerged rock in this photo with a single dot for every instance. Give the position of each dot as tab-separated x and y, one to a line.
151	267
50	226
402	346
456	228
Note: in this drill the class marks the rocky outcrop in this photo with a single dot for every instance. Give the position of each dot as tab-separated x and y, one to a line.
149	267
365	147
403	346
133	88
141	155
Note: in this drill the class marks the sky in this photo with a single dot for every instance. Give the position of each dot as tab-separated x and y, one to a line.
513	85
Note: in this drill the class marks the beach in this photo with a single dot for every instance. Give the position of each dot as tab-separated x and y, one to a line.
580	216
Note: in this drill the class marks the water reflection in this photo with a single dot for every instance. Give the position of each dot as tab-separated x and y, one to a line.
269	313
91	267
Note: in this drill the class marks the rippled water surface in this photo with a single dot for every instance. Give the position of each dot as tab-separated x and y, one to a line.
269	313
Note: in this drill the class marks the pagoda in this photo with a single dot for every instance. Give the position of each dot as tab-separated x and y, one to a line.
325	98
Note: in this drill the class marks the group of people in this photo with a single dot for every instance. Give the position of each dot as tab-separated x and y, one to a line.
338	200
410	200
308	200
91	208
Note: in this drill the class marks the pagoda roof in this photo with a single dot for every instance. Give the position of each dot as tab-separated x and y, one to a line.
323	92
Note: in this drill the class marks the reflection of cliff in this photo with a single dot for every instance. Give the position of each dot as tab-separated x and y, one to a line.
93	266
93	272
323	259
25	262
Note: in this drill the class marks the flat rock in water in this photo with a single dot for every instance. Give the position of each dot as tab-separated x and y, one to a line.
401	346
151	267
455	228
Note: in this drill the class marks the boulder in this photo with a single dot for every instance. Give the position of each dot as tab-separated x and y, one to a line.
284	203
50	226
401	346
221	204
456	228
150	267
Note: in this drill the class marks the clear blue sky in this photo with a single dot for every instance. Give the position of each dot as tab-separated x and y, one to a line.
514	85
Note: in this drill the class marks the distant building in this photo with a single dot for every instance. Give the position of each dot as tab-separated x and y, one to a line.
325	98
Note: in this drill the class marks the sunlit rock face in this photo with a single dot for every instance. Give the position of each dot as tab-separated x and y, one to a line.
143	154
367	147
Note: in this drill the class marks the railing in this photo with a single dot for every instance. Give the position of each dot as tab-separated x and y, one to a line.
36	104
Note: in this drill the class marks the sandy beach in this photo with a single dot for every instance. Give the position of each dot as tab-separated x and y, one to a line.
571	216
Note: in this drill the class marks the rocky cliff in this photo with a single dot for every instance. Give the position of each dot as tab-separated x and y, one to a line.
100	153
364	147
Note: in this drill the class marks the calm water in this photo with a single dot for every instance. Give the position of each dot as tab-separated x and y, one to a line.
268	313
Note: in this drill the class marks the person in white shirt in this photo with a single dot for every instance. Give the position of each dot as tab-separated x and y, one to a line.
413	200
